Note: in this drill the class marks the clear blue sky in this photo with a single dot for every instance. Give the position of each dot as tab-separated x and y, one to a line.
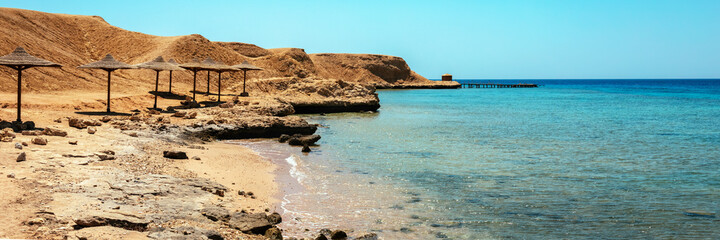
469	39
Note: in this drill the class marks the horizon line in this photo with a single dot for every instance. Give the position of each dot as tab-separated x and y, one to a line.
434	79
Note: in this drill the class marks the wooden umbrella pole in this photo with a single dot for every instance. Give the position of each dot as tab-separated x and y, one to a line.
157	79
244	78
194	79
108	95
219	84
19	91
208	84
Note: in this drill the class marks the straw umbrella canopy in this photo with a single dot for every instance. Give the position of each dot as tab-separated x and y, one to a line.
209	65
173	62
193	66
20	60
108	64
220	69
158	64
245	66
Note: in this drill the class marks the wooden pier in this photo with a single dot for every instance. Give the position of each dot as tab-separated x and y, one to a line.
498	85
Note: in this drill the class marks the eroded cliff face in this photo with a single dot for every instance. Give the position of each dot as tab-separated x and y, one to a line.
73	40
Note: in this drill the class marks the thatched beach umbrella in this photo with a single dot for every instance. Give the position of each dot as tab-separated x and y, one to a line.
21	60
193	66
245	66
108	64
210	65
158	64
220	69
173	62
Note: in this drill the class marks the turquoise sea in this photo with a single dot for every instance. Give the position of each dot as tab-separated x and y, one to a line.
572	159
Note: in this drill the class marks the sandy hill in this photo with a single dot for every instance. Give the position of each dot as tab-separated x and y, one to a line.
73	40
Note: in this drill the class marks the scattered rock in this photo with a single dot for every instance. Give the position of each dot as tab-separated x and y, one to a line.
36	221
21	158
7	135
32	133
54	132
216	214
191	115
306	149
39	141
338	235
175	154
179	114
283	138
95	219
105	119
25	144
18	146
185	232
91	130
153	112
304	140
368	236
274	218
133	134
76	123
59	120
273	234
321	237
241	192
256	223
105	157
196	158
74	142
12	175
226	105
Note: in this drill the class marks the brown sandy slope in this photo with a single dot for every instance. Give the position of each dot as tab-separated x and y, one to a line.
73	40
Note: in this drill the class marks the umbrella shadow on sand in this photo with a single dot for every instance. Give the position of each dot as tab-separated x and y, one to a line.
103	113
169	95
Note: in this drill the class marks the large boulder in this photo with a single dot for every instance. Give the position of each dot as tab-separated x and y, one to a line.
175	154
308	140
256	223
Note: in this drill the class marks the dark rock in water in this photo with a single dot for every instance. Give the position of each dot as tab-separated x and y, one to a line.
440	235
184	233
304	140
698	213
175	154
273	234
21	158
398	207
325	231
368	236
338	235
216	213
274	218
306	148
283	138
406	230
414	200
256	223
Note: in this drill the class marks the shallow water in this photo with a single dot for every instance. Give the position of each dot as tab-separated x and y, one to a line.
572	159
